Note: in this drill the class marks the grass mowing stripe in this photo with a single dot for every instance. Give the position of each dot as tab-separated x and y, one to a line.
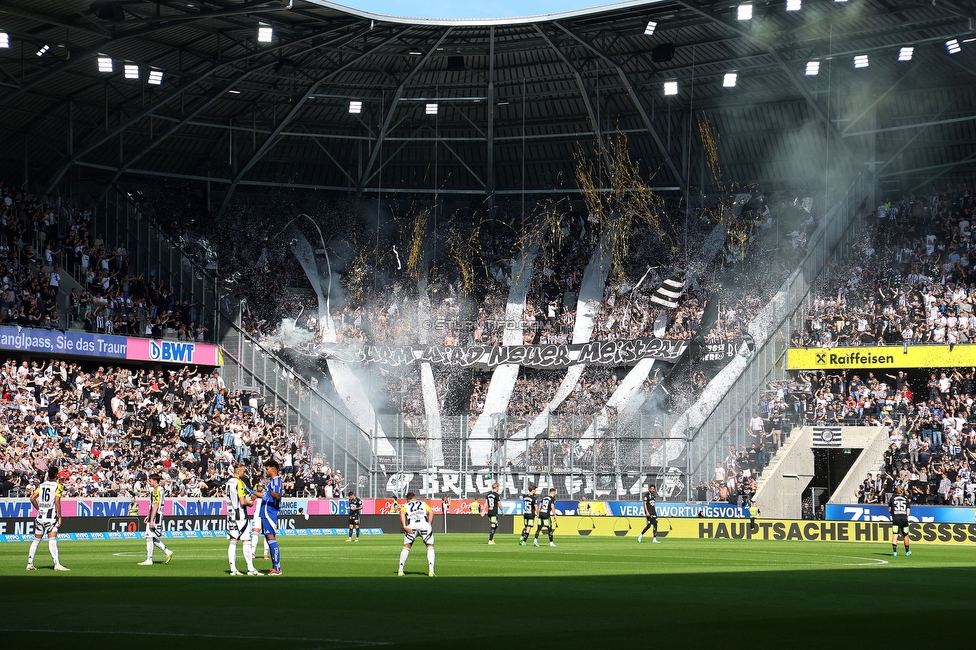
345	643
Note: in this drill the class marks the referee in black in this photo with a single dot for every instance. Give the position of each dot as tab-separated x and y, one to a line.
650	513
899	509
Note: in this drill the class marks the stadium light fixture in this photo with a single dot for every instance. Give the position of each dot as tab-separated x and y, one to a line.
155	77
131	71
953	46
906	53
793	5
670	88
744	12
729	80
105	64
840	2
355	107
4	40
43	50
265	33
651	26
861	61
813	68
430	109
234	91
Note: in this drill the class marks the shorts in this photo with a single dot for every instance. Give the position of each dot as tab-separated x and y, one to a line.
353	520
269	524
493	519
900	525
651	520
238	529
42	528
426	533
155	528
528	521
545	522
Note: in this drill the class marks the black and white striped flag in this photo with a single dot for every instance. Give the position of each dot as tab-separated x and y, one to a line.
669	292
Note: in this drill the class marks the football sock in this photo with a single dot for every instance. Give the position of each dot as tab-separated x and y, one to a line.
404	552
267	547
491	532
247	557
52	545
275	554
159	543
646	528
430	559
232	554
357	533
894	547
149	548
33	551
550	533
537	531
253	546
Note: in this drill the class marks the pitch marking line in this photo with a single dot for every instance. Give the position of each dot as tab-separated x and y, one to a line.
343	642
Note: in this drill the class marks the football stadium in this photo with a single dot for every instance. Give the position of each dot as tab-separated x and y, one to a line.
646	323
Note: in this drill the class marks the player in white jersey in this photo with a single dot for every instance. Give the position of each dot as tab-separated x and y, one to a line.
256	531
47	501
238	527
417	518
154	522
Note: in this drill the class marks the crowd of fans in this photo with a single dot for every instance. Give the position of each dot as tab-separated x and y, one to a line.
108	428
909	278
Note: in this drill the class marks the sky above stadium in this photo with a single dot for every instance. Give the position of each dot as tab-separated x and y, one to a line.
469	9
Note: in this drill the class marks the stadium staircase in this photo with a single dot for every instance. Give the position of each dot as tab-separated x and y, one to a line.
871	460
791	470
788	474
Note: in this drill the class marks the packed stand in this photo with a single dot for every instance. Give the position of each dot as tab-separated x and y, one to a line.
109	428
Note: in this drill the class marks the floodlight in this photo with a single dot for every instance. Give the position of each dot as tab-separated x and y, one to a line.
264	33
105	64
355	107
651	26
953	46
670	88
813	68
792	5
861	61
730	79
745	12
131	71
905	53
4	40
43	50
431	109
155	77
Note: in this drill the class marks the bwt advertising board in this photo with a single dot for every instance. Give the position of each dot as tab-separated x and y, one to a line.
108	347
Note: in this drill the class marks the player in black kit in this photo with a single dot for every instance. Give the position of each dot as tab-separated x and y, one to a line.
547	514
650	513
492	509
899	509
529	508
355	509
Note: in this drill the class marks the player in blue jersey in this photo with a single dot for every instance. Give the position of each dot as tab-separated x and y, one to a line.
270	496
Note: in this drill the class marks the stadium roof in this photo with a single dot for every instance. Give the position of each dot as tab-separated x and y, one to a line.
515	98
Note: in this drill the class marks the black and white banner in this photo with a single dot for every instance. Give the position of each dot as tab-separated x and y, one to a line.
827	437
669	292
600	353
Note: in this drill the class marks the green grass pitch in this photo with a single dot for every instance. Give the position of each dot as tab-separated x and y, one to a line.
588	592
